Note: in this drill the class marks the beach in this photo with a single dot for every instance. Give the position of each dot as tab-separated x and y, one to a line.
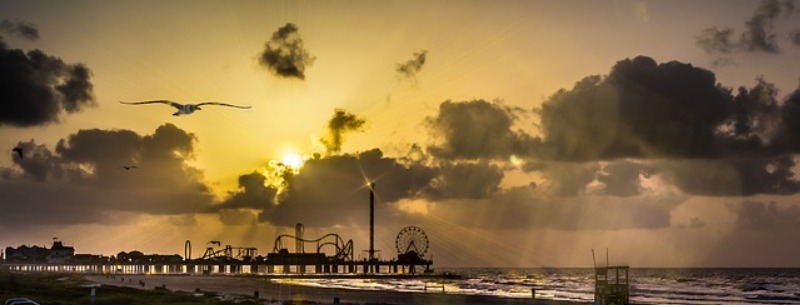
280	293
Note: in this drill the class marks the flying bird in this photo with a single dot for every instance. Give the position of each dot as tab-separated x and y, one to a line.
129	167
184	108
18	150
214	242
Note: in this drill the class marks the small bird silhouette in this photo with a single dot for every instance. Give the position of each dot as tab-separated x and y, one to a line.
215	242
18	150
129	167
184	109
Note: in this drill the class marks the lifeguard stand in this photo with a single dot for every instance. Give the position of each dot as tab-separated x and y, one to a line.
611	286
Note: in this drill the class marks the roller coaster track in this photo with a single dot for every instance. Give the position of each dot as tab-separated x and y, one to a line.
344	250
228	253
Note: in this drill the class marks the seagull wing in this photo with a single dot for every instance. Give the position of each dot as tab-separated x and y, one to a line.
223	104
171	103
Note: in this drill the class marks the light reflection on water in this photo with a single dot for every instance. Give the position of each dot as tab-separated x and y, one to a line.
648	286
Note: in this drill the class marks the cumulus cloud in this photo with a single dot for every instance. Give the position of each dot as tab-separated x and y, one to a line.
464	181
759	34
787	138
35	88
328	190
411	67
732	177
254	192
677	123
756	113
20	28
39	162
640	110
617	178
477	129
341	123
284	54
81	180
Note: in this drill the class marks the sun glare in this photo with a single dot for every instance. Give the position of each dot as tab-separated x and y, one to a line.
292	160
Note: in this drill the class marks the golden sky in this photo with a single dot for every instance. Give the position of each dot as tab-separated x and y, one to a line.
658	186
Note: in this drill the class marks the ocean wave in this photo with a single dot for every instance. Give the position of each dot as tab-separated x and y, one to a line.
648	286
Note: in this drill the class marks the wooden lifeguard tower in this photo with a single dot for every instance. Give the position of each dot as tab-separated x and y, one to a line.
611	286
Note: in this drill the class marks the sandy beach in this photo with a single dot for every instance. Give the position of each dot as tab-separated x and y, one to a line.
247	286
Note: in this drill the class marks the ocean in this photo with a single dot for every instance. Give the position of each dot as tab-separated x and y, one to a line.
647	286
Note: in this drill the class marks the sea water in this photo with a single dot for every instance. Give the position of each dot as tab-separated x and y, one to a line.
647	286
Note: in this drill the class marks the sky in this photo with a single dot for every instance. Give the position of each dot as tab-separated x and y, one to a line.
514	133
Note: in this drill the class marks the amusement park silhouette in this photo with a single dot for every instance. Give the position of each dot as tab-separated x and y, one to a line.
329	254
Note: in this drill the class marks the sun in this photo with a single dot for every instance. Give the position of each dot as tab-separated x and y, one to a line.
292	160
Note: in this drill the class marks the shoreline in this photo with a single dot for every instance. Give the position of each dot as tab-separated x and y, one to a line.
267	290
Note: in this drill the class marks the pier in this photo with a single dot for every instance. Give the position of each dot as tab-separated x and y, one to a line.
328	255
348	269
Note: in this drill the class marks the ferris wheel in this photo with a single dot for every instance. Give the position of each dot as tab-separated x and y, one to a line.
412	239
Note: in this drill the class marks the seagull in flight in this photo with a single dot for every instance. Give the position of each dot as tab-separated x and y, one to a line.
184	109
129	167
18	150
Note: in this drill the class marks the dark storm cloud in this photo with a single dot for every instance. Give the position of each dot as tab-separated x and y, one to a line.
566	179
39	163
759	34
108	149
477	129
788	134
76	89
284	54
640	110
341	123
754	215
756	113
253	193
35	87
712	142
465	181
411	67
734	177
20	29
619	178
328	190
82	181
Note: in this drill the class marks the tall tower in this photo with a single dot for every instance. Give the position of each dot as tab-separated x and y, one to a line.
371	222
298	241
